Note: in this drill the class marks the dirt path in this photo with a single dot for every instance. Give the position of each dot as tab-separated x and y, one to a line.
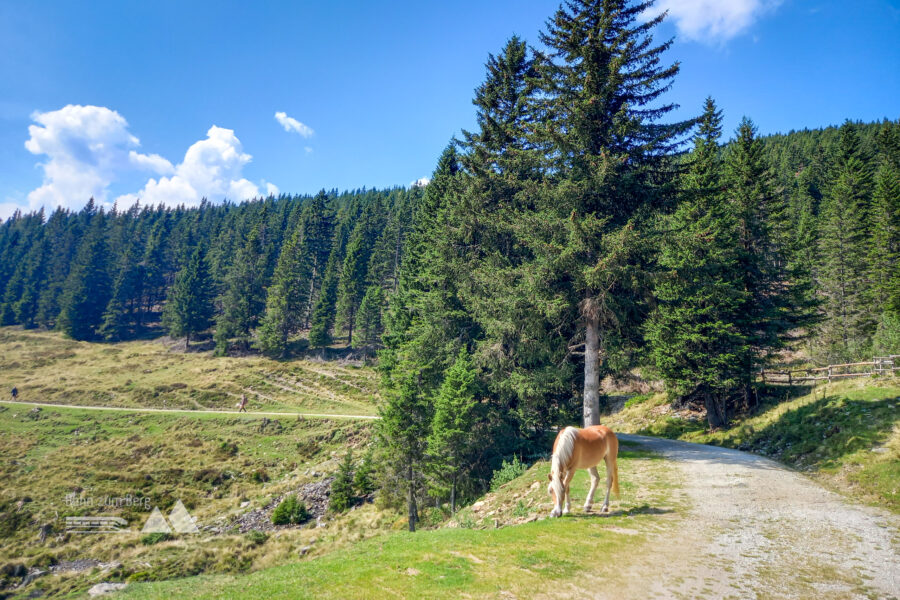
194	412
756	529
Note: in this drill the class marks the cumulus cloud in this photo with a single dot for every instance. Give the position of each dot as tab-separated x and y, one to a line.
421	182
272	189
712	21
291	124
211	169
86	147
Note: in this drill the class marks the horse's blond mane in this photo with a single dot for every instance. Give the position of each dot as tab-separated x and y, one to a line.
561	456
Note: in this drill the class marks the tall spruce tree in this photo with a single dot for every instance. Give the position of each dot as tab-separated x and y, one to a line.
325	308
694	334
602	83
847	319
189	307
244	299
87	290
884	249
770	311
352	283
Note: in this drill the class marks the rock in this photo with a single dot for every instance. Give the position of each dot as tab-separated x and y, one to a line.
245	504
478	505
413	572
31	576
535	485
106	588
304	550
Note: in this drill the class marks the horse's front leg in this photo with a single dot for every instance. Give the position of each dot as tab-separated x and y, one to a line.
566	494
595	481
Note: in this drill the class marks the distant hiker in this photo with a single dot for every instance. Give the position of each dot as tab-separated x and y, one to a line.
242	405
15	393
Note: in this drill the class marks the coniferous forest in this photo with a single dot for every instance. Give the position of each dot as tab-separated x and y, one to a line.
579	232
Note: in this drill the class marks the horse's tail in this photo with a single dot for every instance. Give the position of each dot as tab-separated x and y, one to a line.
612	463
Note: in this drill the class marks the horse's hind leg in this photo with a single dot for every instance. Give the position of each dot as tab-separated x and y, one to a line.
566	493
595	480
609	481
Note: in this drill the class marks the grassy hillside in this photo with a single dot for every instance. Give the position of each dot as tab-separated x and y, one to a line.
228	470
847	435
47	367
502	546
59	462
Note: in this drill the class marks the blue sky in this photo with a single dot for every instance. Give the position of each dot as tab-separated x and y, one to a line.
169	101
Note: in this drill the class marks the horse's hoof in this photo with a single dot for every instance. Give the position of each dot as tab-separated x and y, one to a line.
587	508
554	513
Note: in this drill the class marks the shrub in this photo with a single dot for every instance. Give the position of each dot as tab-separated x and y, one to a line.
290	511
155	538
507	472
260	476
637	399
257	537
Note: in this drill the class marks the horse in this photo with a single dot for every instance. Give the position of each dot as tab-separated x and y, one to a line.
582	449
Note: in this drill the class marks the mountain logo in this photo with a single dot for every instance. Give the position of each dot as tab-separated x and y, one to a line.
180	518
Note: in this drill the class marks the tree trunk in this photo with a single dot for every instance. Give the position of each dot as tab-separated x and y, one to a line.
350	330
413	512
715	410
453	496
592	370
187	342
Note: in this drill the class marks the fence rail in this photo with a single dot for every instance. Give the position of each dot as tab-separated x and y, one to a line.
879	365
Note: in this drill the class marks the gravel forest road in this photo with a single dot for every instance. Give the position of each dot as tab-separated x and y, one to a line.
757	529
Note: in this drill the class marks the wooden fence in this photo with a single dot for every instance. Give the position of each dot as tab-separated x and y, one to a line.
880	365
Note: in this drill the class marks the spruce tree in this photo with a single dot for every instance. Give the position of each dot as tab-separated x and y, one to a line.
847	322
602	84
243	300
87	290
287	297
884	248
189	306
694	336
341	497
368	318
324	310
771	309
352	283
451	427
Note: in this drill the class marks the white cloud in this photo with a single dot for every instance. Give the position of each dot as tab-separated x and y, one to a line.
8	209
712	20
272	189
86	147
292	124
211	169
421	182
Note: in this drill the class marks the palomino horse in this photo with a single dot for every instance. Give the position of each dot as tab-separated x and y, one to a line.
582	449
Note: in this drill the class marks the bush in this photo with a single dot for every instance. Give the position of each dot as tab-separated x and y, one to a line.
637	399
290	511
260	476
507	472
257	537
155	538
12	518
